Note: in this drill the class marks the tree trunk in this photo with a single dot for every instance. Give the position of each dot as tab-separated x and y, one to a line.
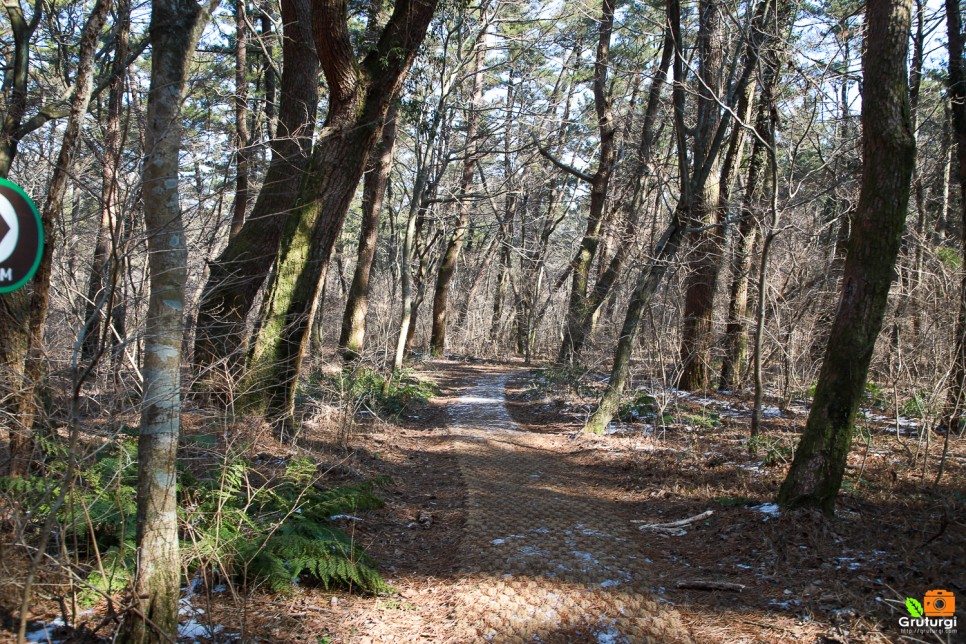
630	207
176	26
104	264
12	129
242	135
956	398
23	313
693	180
774	52
888	157
359	97
599	183
353	337
447	267
240	270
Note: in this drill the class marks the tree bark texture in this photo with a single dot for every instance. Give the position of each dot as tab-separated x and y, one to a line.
176	26
360	93
888	147
240	270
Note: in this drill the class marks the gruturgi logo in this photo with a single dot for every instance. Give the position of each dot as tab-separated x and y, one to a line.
21	237
936	614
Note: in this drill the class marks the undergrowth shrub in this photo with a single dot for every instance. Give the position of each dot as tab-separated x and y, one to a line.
557	380
771	449
641	406
364	388
276	531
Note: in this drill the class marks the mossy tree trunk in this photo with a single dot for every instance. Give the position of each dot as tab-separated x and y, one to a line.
360	93
239	272
175	29
888	155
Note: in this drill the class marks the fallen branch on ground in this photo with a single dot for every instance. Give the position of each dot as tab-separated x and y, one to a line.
673	528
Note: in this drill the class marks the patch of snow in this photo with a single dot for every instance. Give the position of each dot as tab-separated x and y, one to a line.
344	516
771	509
609	583
771	412
610	635
45	633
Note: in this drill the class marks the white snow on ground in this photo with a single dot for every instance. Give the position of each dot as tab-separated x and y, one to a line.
770	509
610	635
45	633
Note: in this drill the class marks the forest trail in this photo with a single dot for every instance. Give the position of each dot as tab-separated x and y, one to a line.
543	558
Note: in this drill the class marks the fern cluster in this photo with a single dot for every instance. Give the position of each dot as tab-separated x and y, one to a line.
277	533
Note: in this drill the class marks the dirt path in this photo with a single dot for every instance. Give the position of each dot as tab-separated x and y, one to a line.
543	558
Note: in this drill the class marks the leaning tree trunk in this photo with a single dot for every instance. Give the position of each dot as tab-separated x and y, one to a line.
240	270
176	26
353	337
956	398
888	153
23	313
693	180
360	93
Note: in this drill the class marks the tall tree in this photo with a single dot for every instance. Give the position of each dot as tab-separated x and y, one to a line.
888	156
103	265
353	336
694	171
956	400
447	266
238	273
176	27
360	93
599	182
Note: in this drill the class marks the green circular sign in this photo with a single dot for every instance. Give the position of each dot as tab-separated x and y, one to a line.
21	237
